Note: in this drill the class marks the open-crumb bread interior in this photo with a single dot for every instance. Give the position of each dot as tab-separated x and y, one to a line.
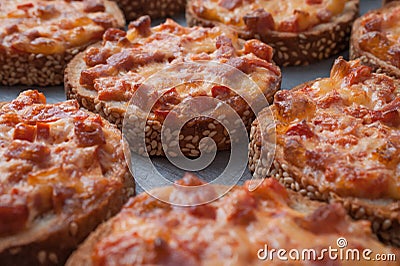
51	27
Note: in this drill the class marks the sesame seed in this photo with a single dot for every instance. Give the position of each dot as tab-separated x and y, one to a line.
53	258
42	256
73	228
386	225
195	139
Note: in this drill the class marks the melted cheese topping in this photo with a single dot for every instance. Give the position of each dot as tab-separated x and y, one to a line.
126	59
51	27
343	133
55	158
380	34
229	231
286	16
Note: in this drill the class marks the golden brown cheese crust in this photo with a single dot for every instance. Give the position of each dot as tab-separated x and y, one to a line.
377	35
259	16
57	163
105	77
343	133
228	231
142	51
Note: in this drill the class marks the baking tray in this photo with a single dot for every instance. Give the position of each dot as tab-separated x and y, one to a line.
291	76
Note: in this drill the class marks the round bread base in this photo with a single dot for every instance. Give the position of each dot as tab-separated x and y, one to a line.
294	49
384	215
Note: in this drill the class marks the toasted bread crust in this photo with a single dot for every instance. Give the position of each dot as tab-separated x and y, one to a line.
44	70
303	48
367	58
53	244
384	213
53	233
153	8
73	89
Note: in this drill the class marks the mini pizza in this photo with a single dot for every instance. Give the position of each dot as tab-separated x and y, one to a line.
338	139
38	38
229	231
153	8
63	172
105	77
301	32
376	39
